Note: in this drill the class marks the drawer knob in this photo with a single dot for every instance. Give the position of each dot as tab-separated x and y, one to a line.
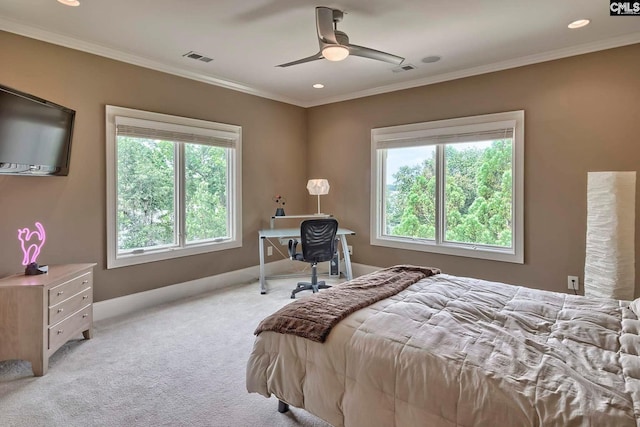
60	310
85	315
60	293
84	282
60	331
85	296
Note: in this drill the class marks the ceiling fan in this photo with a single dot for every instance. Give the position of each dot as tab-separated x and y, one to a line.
334	44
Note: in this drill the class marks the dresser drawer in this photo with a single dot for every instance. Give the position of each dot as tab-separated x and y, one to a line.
69	306
70	288
68	328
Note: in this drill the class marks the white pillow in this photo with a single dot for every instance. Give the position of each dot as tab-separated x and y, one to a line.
635	307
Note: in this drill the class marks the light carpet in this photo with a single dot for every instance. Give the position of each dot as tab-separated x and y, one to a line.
178	364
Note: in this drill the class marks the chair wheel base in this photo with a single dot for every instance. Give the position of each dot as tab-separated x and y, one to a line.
306	286
282	407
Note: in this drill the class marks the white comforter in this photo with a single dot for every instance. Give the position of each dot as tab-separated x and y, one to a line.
452	351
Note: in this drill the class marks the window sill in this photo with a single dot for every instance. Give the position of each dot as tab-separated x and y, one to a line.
504	255
169	253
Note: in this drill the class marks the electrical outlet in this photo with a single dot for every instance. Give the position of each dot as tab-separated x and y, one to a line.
350	249
269	250
573	283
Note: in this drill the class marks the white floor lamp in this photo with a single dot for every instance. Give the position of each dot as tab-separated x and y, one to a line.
318	187
609	270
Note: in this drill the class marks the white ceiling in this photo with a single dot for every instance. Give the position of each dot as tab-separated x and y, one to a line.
248	38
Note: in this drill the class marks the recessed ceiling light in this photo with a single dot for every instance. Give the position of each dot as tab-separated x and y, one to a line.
318	85
579	23
70	2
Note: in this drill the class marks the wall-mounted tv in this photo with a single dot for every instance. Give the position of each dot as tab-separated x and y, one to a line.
35	135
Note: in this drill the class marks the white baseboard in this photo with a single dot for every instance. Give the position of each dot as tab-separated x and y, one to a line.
141	300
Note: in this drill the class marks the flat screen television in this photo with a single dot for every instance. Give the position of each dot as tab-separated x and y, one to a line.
35	135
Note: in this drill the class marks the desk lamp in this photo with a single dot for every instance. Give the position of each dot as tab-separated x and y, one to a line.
318	187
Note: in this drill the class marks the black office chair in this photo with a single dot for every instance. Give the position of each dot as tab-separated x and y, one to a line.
318	238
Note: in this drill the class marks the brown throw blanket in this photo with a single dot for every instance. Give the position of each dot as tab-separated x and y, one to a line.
314	316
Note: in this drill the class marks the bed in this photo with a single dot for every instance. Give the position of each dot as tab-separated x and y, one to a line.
443	350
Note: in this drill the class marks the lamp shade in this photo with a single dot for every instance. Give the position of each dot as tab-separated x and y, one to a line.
318	187
609	270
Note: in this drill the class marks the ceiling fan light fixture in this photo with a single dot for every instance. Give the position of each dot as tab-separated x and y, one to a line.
335	53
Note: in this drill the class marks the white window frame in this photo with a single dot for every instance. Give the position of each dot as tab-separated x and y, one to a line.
428	133
181	124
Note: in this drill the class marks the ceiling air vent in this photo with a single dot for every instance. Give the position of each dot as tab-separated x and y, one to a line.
403	68
197	56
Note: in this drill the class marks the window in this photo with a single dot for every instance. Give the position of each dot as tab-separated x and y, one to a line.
451	186
173	186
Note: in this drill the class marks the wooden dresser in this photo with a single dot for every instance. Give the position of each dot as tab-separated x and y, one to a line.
38	314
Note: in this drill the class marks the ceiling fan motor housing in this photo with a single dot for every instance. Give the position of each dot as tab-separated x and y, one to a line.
342	38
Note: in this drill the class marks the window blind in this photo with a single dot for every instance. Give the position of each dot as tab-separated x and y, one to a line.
138	128
444	136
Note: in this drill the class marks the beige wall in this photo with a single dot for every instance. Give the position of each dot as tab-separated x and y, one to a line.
581	114
72	208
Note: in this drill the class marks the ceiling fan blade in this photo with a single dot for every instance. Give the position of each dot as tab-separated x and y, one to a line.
366	52
324	24
303	60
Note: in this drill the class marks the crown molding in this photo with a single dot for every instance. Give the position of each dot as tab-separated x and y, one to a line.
611	43
96	49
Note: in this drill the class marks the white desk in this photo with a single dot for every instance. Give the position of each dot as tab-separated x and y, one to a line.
292	233
305	216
